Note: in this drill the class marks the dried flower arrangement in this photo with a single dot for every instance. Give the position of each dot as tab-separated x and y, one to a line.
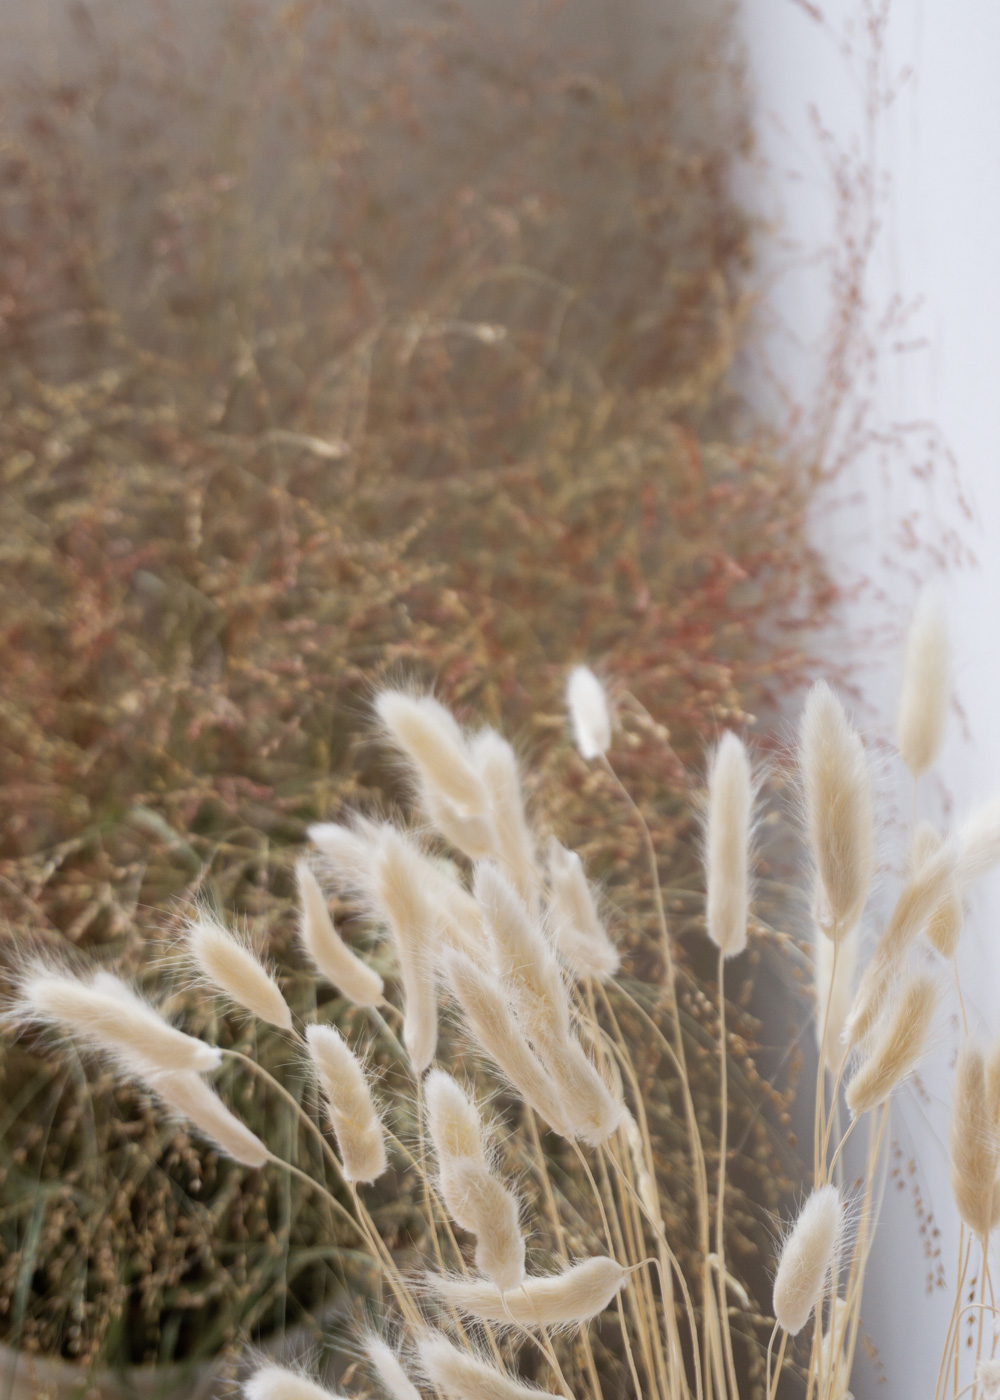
525	1249
471	418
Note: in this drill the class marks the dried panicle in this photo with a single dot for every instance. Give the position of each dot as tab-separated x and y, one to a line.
347	852
991	1071
836	966
589	714
988	1377
476	1198
281	1383
494	1026
471	833
806	1259
973	1142
228	965
899	1044
187	1095
727	846
463	1375
389	1369
327	950
515	845
926	690
645	1183
429	737
924	843
838	803
107	1013
579	933
400	898
353	1115
918	899
523	956
979	843
944	926
576	1295
591	1110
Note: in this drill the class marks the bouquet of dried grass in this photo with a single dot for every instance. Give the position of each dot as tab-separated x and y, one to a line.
515	1098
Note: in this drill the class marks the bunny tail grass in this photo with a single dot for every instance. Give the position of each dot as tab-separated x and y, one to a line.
806	1259
899	1044
281	1383
353	1115
838	804
462	1375
427	734
108	1014
325	947
191	1099
556	1300
389	1369
589	714
973	1142
580	936
727	846
925	694
228	965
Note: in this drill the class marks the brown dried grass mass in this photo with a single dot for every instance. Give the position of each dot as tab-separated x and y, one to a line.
367	353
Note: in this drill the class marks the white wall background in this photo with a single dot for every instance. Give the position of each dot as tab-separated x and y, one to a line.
939	144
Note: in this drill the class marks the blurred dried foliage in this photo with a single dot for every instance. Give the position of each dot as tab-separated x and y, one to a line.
336	343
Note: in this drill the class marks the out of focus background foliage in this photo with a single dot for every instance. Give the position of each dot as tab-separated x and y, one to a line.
334	342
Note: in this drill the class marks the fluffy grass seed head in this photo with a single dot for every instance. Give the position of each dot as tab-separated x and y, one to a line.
978	843
840	818
515	845
973	1142
187	1095
432	741
728	823
494	1027
461	1374
579	934
925	694
401	898
106	1013
326	949
523	955
273	1382
806	1258
568	1299
898	1046
231	967
988	1377
389	1369
589	714
353	1115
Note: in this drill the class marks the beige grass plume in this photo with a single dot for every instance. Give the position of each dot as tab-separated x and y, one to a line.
926	690
400	898
589	714
576	1295
806	1259
325	947
273	1382
232	968
978	843
579	933
389	1369
899	1044
515	845
727	845
921	894
430	738
988	1377
104	1011
835	971
523	955
944	924
353	1115
492	1022
194	1101
972	1142
474	1195
347	851
838	805
464	1375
